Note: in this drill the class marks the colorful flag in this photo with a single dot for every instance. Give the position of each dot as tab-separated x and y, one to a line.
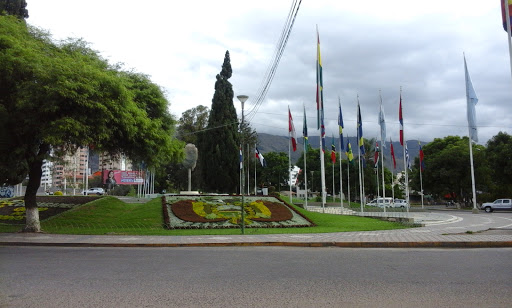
471	103
376	157
333	151
382	123
319	84
291	130
323	133
422	159
360	138
504	14
340	125
348	152
305	131
241	160
407	157
392	153
401	122
260	157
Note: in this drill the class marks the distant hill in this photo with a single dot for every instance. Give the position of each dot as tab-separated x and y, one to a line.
273	143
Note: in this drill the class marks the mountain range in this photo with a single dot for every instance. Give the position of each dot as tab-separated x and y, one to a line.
273	143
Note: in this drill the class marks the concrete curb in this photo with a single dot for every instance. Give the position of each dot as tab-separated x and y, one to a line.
432	244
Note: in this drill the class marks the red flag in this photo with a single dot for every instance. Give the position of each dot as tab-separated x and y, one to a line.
503	14
291	130
393	154
401	122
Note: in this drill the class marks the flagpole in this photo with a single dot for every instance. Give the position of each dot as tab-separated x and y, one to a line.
471	101
340	125
361	189
305	136
507	22
289	160
404	145
421	186
255	182
393	171
382	145
348	182
248	169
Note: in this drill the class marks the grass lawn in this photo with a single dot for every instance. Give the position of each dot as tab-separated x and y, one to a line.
109	215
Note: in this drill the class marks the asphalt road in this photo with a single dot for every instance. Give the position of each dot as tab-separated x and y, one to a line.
254	277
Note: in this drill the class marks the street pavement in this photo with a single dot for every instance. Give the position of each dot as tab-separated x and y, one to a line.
438	228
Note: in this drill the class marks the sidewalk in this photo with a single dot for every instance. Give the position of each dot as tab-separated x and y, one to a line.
448	229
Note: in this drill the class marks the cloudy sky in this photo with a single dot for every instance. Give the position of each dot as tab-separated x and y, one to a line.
366	47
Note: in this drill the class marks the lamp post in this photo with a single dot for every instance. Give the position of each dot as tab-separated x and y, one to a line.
242	99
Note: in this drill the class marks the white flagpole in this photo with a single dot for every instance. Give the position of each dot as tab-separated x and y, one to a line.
361	189
255	182
289	159
341	183
471	101
382	140
341	173
305	156
421	186
405	162
348	183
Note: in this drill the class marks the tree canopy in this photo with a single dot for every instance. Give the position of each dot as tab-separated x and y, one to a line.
63	96
219	144
14	7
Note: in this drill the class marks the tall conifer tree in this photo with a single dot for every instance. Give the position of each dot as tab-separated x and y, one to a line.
219	144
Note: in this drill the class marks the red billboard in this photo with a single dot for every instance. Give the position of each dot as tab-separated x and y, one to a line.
122	177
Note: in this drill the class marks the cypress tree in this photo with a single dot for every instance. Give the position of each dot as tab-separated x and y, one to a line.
219	144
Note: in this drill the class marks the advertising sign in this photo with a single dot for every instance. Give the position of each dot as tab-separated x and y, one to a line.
122	177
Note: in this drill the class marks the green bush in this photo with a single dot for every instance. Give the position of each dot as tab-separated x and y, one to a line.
58	193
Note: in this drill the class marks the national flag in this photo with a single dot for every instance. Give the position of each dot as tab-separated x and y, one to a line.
392	153
333	151
504	13
360	138
408	161
471	103
305	131
241	160
348	152
376	157
382	123
422	159
260	157
319	84
291	130
401	122
323	133
340	125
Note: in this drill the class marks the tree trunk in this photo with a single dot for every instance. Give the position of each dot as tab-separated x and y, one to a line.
34	181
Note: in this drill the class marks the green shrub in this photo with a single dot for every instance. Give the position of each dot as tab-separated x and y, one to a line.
58	193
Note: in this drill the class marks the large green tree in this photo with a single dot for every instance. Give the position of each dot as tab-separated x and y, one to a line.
14	7
191	122
276	173
62	96
499	156
219	145
448	169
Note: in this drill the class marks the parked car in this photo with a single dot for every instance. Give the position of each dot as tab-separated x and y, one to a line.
498	205
94	191
400	203
381	202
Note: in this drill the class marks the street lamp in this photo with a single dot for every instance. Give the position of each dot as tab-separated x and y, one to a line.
242	99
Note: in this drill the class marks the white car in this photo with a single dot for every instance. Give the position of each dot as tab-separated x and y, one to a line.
498	205
94	191
381	202
400	203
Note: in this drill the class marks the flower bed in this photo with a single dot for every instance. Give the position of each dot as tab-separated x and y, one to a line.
203	212
12	211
